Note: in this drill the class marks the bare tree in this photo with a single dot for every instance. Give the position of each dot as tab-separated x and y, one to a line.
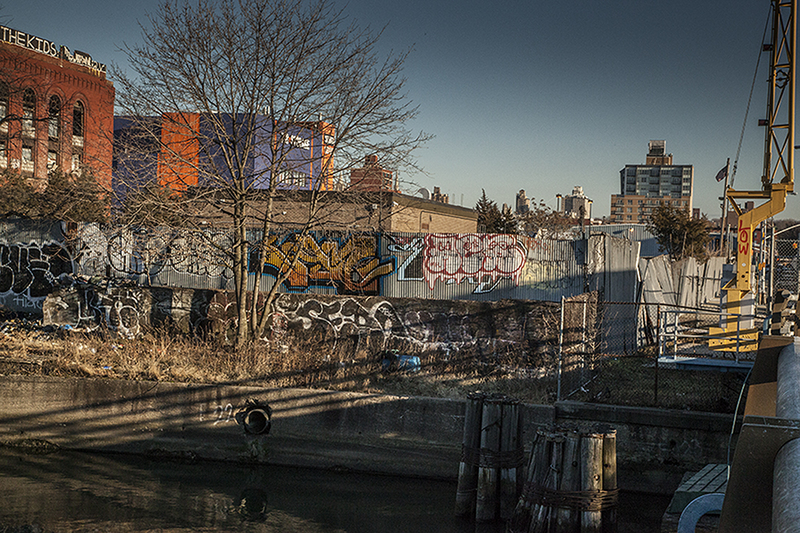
542	220
239	87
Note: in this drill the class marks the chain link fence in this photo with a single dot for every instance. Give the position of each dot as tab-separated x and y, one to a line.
649	356
787	266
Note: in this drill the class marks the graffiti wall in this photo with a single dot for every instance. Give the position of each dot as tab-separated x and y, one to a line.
483	267
331	328
348	264
33	260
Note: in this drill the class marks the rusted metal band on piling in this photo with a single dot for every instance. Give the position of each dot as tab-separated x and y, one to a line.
486	458
587	500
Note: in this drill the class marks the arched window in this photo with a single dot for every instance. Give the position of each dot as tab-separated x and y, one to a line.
3	104
28	113
3	125
78	118
28	158
54	119
53	132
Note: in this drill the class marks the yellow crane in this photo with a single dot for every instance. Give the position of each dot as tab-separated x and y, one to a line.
736	331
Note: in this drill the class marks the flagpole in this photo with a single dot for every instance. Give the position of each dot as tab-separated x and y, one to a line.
723	238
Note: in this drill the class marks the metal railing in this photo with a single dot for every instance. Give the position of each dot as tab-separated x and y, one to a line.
687	337
648	355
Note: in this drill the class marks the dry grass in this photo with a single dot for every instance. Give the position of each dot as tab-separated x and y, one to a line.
161	357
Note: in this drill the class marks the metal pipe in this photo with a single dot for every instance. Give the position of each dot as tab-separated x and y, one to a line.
786	471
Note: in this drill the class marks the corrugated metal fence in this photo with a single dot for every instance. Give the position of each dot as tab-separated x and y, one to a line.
34	255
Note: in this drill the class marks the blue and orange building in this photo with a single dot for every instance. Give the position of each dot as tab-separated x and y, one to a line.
195	150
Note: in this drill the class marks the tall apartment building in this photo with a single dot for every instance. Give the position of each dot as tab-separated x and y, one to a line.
644	187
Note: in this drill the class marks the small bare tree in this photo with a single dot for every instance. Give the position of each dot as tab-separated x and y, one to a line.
260	75
543	221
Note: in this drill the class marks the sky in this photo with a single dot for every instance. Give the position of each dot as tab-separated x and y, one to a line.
534	95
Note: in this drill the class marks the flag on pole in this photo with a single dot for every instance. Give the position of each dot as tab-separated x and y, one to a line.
723	173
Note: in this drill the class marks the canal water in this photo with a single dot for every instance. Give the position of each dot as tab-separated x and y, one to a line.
76	492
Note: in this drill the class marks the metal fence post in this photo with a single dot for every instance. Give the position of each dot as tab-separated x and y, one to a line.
658	356
560	350
585	367
583	332
738	333
675	334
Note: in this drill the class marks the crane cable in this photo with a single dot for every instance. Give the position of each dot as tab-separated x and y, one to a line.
750	98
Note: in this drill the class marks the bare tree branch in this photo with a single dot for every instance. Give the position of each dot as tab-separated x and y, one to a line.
268	79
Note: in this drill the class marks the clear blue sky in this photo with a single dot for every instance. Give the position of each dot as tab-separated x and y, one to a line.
533	95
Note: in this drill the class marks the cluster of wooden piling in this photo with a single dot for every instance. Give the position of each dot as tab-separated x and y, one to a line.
570	484
492	458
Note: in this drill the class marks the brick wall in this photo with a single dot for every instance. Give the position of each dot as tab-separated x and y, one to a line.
50	76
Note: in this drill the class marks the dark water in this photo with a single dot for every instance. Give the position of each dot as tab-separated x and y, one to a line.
70	492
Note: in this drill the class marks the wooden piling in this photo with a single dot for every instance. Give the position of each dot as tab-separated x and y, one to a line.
610	478
470	449
509	462
570	484
487	495
521	519
541	515
591	478
567	518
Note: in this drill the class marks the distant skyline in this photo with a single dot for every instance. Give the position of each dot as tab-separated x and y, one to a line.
540	96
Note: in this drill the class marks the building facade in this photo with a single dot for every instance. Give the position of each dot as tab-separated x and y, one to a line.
576	205
56	109
191	152
644	187
372	177
356	211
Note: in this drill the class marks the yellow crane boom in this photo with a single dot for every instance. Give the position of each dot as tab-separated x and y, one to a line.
736	332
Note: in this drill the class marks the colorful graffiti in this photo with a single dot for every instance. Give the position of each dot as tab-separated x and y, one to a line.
453	258
351	266
411	268
547	276
29	272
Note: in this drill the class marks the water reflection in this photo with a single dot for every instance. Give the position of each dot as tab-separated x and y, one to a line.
71	492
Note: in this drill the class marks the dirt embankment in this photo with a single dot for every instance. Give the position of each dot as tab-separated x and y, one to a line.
27	348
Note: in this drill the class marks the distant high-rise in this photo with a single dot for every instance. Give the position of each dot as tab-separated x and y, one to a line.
577	204
643	187
523	203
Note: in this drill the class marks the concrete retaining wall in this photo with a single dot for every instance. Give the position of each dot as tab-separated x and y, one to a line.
375	433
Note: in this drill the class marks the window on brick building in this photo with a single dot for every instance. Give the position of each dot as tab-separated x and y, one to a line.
53	132
27	158
78	118
28	113
54	118
3	106
3	125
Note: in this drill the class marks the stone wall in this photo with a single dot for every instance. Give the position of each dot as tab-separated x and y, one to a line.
348	327
367	432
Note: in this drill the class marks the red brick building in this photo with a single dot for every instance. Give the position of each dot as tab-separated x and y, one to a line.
56	109
372	177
